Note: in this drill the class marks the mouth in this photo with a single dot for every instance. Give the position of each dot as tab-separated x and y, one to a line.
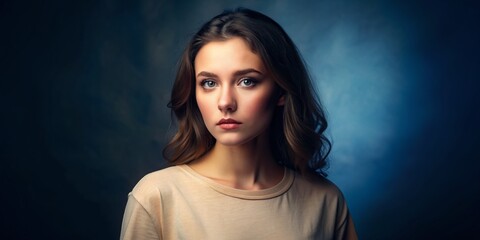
228	123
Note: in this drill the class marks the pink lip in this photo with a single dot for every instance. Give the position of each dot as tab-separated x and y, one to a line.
228	123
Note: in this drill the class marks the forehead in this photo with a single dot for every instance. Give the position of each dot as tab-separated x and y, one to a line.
227	56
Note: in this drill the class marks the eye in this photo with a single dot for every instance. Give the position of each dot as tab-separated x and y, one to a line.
208	84
247	82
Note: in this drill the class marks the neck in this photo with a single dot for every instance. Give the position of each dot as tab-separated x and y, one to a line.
250	166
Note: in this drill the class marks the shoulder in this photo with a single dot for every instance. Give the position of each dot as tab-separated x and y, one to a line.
319	187
157	179
153	186
324	194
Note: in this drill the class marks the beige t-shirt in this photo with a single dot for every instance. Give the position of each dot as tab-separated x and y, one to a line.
179	203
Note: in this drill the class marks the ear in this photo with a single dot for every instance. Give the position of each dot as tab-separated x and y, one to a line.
281	100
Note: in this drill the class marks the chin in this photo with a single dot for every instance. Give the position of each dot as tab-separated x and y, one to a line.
234	141
230	139
230	143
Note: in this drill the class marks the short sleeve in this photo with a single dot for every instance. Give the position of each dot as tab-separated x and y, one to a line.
137	222
345	229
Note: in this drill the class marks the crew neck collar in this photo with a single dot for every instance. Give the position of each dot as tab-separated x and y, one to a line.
277	190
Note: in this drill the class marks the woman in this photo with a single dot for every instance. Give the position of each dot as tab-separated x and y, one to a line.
248	157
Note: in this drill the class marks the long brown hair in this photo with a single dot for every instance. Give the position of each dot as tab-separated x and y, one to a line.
297	131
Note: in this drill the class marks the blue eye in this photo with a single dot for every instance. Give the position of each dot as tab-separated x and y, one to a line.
207	84
247	82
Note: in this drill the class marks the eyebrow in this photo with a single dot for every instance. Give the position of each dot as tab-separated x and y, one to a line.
236	74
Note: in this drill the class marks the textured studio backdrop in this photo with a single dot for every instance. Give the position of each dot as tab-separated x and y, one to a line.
85	87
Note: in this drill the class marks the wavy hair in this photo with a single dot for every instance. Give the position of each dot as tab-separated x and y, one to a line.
297	131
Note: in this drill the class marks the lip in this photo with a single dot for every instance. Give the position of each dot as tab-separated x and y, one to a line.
228	123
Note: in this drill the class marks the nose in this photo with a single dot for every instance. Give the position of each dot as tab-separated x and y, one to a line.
227	101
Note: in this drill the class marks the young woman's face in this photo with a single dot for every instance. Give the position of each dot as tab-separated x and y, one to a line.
234	92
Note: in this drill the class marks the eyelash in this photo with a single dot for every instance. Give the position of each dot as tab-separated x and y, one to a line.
252	81
204	82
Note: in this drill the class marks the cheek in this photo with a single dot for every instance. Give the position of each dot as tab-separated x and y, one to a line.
205	107
201	106
260	105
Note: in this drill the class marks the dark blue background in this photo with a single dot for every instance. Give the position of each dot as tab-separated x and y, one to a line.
84	88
